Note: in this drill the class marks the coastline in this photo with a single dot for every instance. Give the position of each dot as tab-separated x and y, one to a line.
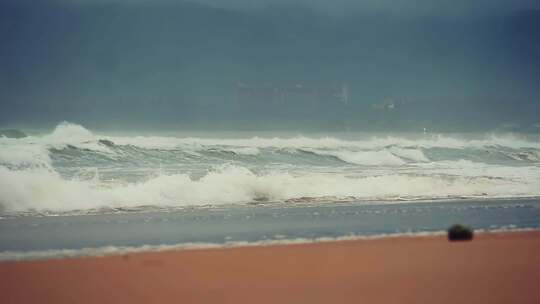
498	267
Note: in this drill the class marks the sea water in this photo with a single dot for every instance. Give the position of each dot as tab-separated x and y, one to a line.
71	191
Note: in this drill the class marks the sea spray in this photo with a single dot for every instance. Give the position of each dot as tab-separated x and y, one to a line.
72	168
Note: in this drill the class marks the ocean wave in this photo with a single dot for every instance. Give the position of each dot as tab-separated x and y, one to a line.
43	190
16	155
72	134
299	142
60	171
371	151
365	158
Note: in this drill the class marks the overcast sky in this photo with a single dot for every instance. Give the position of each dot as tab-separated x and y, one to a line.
73	60
407	6
393	5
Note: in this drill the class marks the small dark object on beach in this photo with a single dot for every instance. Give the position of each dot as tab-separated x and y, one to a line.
460	232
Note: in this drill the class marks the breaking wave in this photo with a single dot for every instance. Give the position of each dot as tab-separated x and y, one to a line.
75	169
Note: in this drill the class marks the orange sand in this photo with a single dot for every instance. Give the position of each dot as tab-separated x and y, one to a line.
494	268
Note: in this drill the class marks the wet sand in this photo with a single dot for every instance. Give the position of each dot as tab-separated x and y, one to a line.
493	268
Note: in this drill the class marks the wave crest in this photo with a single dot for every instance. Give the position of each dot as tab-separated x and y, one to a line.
42	190
58	171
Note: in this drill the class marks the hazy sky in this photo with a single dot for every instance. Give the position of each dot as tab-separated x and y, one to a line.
408	6
149	61
412	6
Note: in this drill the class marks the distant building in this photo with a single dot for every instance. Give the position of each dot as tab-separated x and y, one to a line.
271	94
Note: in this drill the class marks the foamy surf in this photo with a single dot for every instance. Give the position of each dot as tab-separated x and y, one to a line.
72	168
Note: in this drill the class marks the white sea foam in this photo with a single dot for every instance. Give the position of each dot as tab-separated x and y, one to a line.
251	151
382	168
42	190
389	150
299	142
467	168
69	133
23	155
65	134
415	155
366	158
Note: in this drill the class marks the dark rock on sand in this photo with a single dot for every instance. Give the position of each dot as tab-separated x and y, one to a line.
460	232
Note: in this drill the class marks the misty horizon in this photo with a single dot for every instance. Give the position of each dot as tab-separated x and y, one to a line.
165	64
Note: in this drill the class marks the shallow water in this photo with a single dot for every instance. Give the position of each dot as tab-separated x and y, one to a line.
258	223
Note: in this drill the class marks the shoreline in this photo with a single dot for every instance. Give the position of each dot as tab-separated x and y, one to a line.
496	267
397	201
111	250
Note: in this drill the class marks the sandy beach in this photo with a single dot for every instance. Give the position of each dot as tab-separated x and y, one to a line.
493	268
